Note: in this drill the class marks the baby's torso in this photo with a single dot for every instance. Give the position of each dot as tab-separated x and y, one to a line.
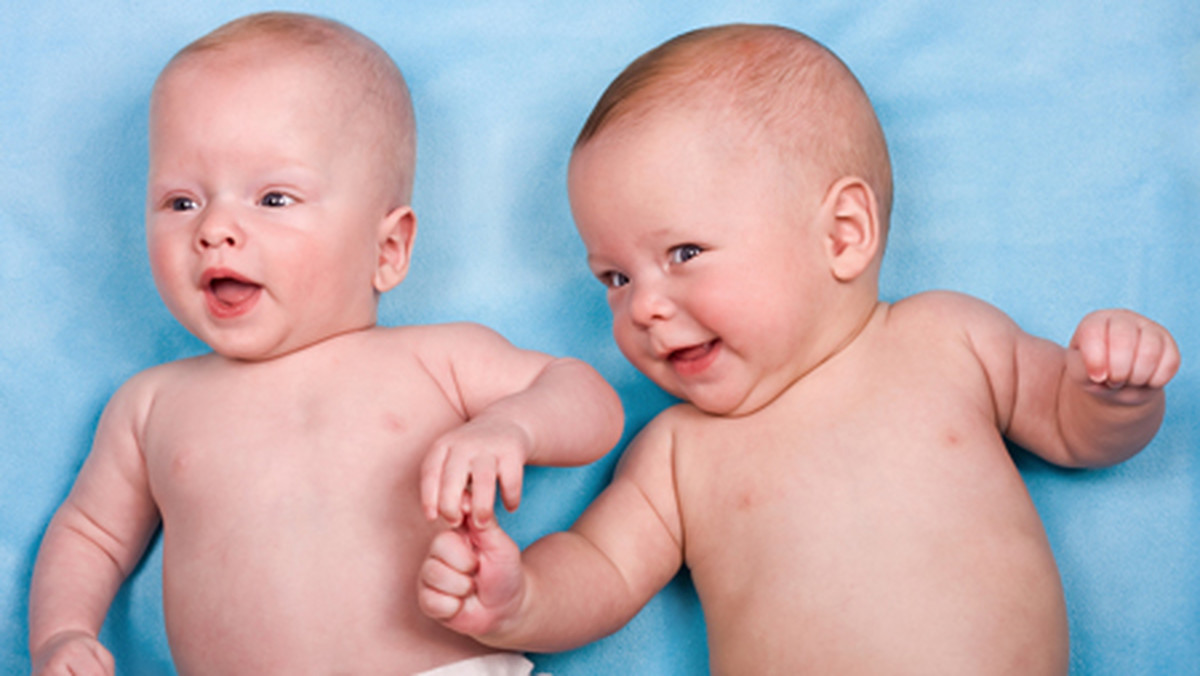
289	496
870	521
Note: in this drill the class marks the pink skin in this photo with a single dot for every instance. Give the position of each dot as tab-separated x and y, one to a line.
675	253
262	243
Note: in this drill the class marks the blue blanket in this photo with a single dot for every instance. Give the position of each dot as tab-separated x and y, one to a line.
1047	159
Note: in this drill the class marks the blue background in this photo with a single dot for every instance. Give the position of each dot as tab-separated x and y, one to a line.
1047	158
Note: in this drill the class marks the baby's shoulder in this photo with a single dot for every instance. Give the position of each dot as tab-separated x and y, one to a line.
462	357
682	416
135	397
671	427
941	321
650	456
947	313
445	337
941	305
156	377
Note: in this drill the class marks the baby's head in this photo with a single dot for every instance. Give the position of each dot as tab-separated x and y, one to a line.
282	151
732	187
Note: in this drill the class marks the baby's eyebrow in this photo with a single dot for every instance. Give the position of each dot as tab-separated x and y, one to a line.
601	266
157	190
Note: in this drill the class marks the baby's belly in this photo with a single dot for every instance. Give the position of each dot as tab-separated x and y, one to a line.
308	593
887	571
999	617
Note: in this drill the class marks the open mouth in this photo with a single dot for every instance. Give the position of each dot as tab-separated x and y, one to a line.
694	359
228	294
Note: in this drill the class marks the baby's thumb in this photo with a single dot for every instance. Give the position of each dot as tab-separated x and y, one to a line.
499	579
489	539
1086	368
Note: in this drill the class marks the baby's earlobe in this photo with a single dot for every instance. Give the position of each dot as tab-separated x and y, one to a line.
396	234
854	232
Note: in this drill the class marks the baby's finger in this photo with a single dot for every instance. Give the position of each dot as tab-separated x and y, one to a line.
431	480
1091	344
1150	349
83	657
439	577
444	579
483	489
490	543
499	582
1123	339
437	605
455	482
453	548
103	663
511	475
1168	364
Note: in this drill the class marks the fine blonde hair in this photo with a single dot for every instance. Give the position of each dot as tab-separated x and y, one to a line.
774	80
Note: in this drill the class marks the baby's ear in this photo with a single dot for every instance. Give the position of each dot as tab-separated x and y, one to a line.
396	234
853	230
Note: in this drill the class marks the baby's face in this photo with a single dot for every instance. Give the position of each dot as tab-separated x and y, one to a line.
715	273
262	209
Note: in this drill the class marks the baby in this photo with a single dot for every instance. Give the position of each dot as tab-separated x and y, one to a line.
286	467
837	479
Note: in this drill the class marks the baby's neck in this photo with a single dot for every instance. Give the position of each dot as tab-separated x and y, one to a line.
331	341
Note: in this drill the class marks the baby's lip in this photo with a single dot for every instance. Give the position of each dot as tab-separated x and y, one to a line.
690	352
693	358
228	293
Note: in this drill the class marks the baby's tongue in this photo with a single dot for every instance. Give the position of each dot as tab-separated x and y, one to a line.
692	353
231	291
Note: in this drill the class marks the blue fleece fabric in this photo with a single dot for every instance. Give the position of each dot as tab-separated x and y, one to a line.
1047	159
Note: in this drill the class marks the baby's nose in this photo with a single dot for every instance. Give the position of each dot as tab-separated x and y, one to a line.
217	230
650	303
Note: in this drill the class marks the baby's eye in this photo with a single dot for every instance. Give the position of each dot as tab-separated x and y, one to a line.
181	204
276	200
613	279
684	253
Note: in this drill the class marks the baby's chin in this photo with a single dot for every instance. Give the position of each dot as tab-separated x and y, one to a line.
729	401
257	349
249	353
267	340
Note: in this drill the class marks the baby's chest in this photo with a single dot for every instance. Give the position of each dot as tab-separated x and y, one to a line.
225	448
834	473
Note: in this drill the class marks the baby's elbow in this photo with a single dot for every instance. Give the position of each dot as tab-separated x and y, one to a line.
614	417
608	409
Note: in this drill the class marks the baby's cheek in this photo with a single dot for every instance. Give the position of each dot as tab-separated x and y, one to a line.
163	259
632	348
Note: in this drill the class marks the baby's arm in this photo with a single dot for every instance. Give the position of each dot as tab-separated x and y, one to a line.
93	542
568	588
521	407
1096	402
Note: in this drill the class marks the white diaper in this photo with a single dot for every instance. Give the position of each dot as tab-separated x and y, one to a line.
496	664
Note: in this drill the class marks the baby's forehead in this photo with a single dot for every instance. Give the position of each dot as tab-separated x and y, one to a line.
332	76
712	118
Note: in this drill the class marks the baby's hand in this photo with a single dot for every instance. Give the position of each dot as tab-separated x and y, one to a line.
73	653
472	580
1122	355
462	467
